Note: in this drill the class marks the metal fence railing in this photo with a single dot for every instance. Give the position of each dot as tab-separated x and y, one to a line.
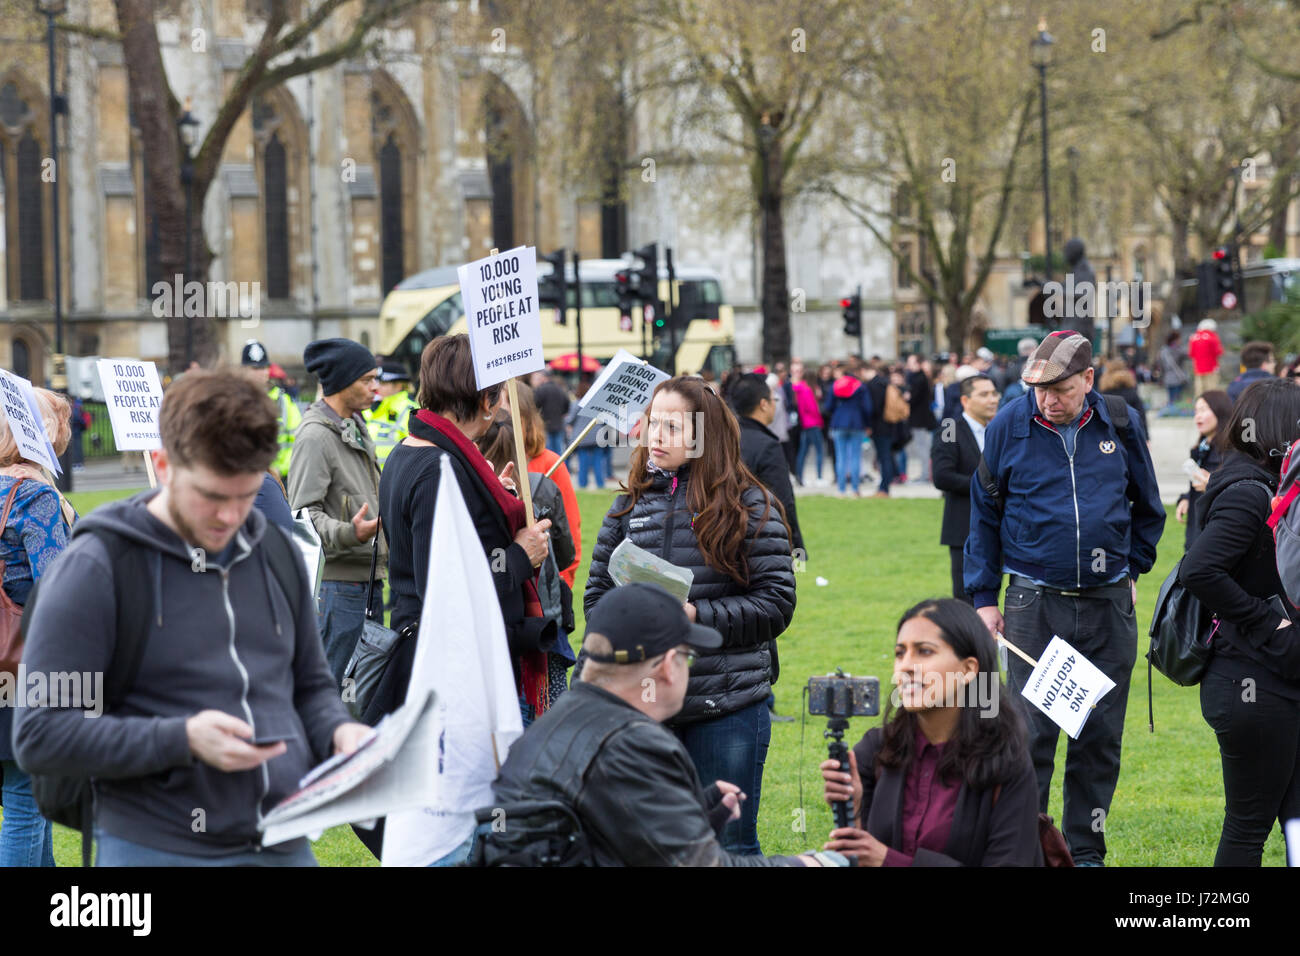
97	440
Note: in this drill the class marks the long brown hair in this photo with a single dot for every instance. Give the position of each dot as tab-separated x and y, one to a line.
718	479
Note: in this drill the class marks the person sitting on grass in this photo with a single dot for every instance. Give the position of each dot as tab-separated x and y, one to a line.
947	780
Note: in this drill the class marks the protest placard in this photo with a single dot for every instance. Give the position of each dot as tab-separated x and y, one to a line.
622	391
1065	686
134	396
25	421
500	299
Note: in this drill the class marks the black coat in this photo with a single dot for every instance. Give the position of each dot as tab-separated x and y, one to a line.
748	617
922	393
896	432
1232	571
952	463
762	454
408	493
985	832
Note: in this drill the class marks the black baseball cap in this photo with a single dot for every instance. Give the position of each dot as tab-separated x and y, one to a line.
642	621
393	372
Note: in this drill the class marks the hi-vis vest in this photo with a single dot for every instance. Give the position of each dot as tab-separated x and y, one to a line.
290	418
388	423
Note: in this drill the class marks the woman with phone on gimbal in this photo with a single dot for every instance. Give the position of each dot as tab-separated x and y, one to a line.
947	780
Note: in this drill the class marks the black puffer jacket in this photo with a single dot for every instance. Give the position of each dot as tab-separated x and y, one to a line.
748	618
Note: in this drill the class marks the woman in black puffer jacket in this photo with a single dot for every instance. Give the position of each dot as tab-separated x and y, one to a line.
690	500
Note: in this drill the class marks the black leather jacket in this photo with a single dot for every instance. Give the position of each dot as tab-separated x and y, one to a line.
627	777
748	618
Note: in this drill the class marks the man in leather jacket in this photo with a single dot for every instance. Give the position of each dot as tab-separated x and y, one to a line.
603	751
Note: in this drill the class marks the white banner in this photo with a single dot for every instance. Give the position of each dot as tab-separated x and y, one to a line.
500	298
134	396
622	391
25	421
1066	686
461	653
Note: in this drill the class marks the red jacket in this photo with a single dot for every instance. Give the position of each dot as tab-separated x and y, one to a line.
1205	349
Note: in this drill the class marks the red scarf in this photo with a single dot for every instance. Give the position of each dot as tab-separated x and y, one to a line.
533	665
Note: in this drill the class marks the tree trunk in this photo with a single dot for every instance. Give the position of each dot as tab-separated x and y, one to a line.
776	295
155	113
958	325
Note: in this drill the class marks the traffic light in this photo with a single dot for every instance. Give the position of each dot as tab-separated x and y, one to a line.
553	289
852	306
626	298
647	283
1225	279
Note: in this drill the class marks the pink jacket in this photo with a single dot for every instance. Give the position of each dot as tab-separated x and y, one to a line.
810	416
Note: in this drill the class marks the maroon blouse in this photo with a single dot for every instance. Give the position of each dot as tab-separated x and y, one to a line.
928	804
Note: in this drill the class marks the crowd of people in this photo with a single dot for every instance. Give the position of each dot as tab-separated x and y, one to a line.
226	661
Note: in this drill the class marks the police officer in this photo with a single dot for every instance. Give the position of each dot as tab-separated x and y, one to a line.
1065	502
254	357
387	421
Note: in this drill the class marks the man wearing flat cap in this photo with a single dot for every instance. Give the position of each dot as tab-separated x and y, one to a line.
1065	503
604	753
336	478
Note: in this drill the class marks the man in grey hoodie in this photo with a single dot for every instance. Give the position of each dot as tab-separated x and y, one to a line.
232	702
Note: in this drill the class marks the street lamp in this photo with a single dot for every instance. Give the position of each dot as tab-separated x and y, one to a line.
52	10
1040	54
1072	154
186	125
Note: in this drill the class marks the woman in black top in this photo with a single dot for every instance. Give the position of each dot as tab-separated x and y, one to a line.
1213	409
1250	694
947	781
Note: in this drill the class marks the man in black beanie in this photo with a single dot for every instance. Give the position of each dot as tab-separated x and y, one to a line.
336	478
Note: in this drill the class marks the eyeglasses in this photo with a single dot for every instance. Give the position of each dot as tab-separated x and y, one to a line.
689	654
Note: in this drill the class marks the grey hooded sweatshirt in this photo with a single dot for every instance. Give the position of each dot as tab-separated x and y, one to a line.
221	637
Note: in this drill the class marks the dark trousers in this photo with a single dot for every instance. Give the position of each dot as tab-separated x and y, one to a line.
885	461
957	559
1103	627
1259	743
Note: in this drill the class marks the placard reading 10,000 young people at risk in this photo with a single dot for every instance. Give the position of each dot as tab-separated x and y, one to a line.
500	297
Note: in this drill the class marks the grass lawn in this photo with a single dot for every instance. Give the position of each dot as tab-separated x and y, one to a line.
879	557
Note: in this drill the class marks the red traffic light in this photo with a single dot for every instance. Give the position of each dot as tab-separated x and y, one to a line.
1220	253
845	303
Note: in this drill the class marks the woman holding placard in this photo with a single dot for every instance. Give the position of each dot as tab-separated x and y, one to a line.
453	414
36	526
690	499
947	781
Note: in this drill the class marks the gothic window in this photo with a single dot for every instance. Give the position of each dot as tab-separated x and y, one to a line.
390	212
22	359
31	245
277	219
21	157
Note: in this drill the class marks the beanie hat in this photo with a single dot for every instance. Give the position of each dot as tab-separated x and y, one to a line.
337	363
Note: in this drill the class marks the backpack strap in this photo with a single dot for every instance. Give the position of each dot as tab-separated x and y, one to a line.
285	564
1118	409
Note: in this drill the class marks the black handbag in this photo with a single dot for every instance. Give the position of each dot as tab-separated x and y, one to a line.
1181	633
375	647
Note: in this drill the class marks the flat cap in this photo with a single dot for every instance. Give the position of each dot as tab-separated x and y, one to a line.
1057	357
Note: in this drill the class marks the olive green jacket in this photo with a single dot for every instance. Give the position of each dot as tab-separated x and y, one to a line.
334	472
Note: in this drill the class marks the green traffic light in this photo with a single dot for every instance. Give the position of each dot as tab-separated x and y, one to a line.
659	323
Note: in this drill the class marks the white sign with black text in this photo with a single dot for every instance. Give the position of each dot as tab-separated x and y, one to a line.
1065	686
500	298
622	391
134	398
25	423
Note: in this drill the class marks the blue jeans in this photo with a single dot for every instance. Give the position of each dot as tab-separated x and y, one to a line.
733	748
114	851
885	462
341	616
1175	393
555	441
848	456
26	837
814	439
591	461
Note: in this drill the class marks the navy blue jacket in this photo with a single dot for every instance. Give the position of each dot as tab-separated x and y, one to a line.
1073	524
848	405
1245	380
